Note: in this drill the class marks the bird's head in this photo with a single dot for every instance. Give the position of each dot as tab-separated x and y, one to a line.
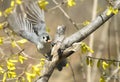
44	39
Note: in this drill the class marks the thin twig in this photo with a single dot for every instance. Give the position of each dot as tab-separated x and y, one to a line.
19	47
113	73
11	79
117	42
73	74
2	52
114	60
109	38
60	4
109	43
91	40
101	47
68	17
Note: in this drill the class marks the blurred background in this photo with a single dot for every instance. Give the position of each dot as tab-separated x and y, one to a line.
104	41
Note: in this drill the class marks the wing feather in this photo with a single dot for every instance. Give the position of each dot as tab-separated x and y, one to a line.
36	15
36	11
22	27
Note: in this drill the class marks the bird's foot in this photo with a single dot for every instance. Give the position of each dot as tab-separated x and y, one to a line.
49	58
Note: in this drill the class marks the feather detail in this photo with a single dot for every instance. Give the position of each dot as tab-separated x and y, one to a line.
36	16
21	26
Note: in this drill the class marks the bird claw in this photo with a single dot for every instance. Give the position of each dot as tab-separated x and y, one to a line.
49	58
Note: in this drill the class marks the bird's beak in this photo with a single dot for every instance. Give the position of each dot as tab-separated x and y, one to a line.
49	41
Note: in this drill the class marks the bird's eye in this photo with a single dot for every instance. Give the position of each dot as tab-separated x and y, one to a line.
48	38
43	37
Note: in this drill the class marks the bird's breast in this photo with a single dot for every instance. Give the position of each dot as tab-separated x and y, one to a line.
46	49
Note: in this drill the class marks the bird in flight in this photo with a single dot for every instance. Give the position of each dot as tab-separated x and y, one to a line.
31	26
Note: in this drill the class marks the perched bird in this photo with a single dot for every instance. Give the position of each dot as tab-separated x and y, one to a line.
32	27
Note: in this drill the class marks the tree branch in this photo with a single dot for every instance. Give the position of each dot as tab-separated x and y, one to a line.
86	31
65	47
50	65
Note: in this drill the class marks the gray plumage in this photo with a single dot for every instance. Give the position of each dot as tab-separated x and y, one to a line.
36	16
32	27
34	32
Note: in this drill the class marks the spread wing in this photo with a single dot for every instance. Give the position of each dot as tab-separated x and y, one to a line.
22	27
36	16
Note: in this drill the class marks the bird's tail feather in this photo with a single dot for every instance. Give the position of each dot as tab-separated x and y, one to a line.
62	64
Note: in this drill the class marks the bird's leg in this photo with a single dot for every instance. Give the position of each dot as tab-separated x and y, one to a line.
49	56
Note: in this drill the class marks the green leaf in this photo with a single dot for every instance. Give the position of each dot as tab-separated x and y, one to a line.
1	13
102	79
85	23
67	65
4	77
30	76
91	62
1	40
21	59
1	70
10	65
36	70
119	64
98	63
13	43
8	11
42	62
22	41
19	2
111	10
11	74
1	24
43	4
105	65
85	48
71	3
87	61
12	4
13	60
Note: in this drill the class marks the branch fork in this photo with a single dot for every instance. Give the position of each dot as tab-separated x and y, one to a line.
64	47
